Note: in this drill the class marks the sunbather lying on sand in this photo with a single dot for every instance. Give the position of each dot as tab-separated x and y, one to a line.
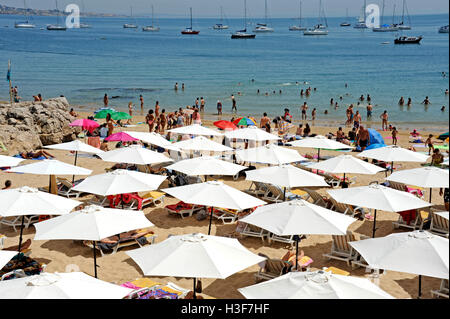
37	154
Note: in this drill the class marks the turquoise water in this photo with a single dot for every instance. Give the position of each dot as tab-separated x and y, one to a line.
84	64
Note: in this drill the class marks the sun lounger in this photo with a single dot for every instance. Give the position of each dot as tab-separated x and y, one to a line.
227	216
272	268
257	189
341	250
155	198
439	225
111	245
412	219
182	209
2	241
99	201
65	188
442	292
148	289
16	221
274	194
281	239
253	231
316	198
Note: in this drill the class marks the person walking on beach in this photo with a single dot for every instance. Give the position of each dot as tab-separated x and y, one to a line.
202	104
233	101
150	119
162	121
110	123
219	107
369	109
141	99
264	120
304	109
363	138
394	133
105	100
429	144
384	120
157	107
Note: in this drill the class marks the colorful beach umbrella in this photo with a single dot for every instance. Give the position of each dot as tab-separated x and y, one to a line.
120	137
225	125
103	113
120	116
85	124
244	121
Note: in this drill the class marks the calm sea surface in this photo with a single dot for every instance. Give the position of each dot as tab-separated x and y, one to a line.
84	64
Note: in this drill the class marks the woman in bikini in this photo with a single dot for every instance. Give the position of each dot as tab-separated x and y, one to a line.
162	121
150	119
110	123
37	154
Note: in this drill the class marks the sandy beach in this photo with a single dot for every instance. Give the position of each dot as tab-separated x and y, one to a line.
62	256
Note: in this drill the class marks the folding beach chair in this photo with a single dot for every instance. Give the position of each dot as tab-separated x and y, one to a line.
227	216
257	189
16	221
439	225
253	231
272	268
442	292
316	198
341	250
65	188
274	194
182	209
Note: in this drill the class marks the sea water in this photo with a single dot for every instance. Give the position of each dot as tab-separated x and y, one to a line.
84	64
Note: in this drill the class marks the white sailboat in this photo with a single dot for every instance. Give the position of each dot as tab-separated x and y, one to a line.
242	34
57	26
345	23
24	24
220	26
402	25
298	27
83	25
361	24
151	28
263	27
386	27
130	25
320	28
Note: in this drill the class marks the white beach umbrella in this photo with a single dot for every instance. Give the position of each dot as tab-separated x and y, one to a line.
50	167
195	129
346	164
270	154
298	217
6	256
206	165
214	194
320	142
426	177
378	197
150	138
91	223
75	146
286	176
418	252
315	285
443	214
74	285
29	201
120	182
394	153
201	143
251	133
134	154
194	256
9	161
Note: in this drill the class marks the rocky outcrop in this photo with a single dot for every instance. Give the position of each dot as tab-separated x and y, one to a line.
27	126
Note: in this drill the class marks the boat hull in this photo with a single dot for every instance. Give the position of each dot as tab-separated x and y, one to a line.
243	36
345	24
190	32
316	32
129	26
408	40
150	29
297	28
24	26
56	28
223	27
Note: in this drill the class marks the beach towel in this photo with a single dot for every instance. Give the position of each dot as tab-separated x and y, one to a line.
40	158
94	141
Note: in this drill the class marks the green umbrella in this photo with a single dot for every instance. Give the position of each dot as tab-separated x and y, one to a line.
103	113
120	116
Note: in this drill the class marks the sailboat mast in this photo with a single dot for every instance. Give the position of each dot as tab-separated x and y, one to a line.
152	16
57	12
245	14
403	12
382	14
393	15
265	11
300	19
364	10
191	17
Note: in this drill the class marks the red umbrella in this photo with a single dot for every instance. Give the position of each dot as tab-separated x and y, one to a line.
120	137
225	125
85	124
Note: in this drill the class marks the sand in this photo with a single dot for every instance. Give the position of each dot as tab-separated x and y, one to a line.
62	256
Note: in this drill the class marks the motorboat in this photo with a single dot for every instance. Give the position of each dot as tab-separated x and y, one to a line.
443	29
408	40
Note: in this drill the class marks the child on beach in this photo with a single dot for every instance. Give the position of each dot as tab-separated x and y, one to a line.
394	136
429	144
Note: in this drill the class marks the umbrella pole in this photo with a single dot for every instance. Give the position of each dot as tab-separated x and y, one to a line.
210	220
284	194
75	164
392	167
297	240
195	284
95	260
431	190
374	224
318	154
420	287
21	232
343	182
